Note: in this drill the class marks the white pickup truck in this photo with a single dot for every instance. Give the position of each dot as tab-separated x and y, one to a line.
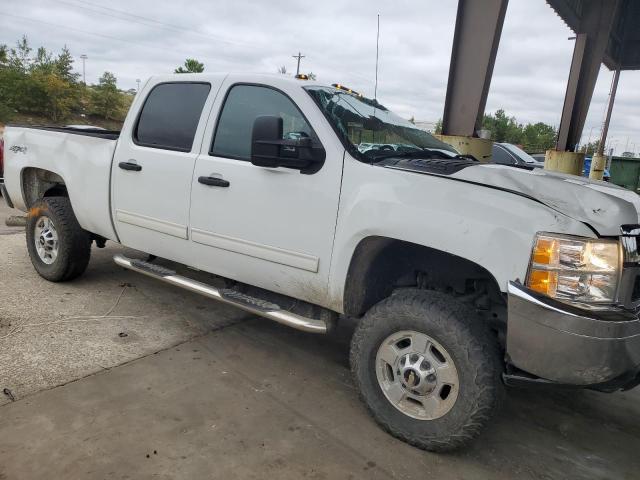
463	276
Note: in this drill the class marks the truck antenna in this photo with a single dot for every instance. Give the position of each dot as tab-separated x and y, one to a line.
375	90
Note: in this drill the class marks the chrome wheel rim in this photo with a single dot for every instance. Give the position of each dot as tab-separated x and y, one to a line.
46	240
417	375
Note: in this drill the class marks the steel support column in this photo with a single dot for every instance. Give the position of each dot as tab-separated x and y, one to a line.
607	118
475	44
591	43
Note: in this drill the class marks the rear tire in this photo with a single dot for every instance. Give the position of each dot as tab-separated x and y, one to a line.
427	369
58	246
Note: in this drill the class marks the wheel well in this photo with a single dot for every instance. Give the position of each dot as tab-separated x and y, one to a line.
38	183
381	265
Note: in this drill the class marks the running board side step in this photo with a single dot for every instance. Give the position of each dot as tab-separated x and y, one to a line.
225	295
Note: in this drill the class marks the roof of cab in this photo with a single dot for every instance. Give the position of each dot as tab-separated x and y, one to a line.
268	78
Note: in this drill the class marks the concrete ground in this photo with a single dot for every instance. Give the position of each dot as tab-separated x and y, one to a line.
172	385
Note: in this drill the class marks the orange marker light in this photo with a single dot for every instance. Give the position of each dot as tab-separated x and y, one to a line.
543	281
546	251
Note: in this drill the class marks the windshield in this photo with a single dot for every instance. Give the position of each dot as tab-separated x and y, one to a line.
369	127
518	152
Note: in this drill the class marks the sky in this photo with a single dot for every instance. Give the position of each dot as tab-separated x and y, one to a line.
138	38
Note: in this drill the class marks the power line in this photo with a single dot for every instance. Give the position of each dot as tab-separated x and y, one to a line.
65	27
142	20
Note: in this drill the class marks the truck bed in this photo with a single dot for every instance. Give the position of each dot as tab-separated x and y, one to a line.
80	157
75	130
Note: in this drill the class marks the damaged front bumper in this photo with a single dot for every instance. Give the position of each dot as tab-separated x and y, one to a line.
571	346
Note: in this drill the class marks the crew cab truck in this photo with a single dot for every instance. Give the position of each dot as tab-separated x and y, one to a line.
464	276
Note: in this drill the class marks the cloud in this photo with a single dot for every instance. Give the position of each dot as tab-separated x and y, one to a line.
135	39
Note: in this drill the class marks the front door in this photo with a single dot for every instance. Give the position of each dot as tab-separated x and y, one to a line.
269	227
153	167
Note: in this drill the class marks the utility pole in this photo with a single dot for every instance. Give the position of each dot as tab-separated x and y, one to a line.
299	57
84	75
138	82
607	118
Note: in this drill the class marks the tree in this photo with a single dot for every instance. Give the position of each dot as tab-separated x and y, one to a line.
438	127
191	65
534	137
19	57
42	83
64	66
107	100
502	127
311	75
590	148
282	70
539	137
58	96
4	56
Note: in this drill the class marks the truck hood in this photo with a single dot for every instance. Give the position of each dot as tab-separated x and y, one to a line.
603	206
600	204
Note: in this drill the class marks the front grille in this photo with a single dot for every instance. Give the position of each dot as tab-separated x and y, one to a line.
635	293
630	245
629	292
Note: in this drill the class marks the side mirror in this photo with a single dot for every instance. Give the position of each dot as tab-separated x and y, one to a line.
267	131
269	149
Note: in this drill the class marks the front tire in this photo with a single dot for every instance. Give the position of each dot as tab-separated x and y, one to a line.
58	246
427	369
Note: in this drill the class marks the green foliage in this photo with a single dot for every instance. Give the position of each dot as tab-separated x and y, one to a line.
539	137
191	65
503	128
106	100
533	137
590	148
438	128
6	113
40	83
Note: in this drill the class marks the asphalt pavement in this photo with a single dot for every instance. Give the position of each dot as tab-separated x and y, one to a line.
117	376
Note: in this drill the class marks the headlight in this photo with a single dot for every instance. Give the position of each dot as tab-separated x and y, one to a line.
575	269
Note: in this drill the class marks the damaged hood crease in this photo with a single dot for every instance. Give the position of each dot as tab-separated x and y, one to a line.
601	205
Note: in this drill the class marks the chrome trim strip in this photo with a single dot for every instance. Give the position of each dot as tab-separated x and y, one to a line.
151	223
284	317
515	290
289	258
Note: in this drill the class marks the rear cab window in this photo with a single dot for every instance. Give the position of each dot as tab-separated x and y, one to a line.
170	116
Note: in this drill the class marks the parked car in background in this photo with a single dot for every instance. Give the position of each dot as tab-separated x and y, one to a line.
539	157
510	154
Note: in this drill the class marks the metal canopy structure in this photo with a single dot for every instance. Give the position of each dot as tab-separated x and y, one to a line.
475	44
607	31
623	48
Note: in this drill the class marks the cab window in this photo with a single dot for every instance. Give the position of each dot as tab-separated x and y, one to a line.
244	103
170	116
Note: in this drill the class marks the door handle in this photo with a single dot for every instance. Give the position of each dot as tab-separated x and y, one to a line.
134	167
213	181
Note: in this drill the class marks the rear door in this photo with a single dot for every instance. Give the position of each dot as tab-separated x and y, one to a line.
269	227
153	166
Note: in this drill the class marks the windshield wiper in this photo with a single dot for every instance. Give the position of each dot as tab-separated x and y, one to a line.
425	153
